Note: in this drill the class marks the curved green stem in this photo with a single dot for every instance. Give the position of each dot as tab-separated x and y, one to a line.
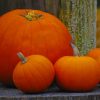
22	57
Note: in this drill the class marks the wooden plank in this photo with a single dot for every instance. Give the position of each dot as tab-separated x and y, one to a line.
51	94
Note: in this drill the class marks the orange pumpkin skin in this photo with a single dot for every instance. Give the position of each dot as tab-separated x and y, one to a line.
94	53
35	75
98	60
76	73
46	36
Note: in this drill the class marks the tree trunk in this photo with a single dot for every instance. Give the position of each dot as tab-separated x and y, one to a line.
78	15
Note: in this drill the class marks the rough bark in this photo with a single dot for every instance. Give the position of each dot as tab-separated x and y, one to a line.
78	15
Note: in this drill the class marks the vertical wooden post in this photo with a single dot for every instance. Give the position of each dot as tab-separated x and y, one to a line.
52	6
80	17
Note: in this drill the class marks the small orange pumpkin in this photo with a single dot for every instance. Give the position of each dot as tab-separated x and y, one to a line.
94	53
34	74
76	73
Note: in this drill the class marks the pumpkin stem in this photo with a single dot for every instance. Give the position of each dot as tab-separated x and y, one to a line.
31	15
75	50
22	57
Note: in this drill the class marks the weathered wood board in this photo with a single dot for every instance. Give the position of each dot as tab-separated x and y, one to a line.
51	94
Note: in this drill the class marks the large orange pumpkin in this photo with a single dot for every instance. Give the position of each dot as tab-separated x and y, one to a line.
77	73
31	32
33	74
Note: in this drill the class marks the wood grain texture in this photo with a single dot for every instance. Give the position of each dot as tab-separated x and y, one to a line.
53	93
80	17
